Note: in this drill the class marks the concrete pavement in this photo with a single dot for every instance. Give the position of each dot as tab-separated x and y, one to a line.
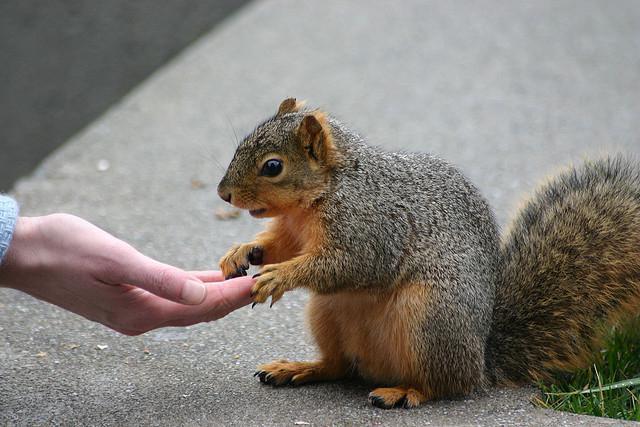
509	91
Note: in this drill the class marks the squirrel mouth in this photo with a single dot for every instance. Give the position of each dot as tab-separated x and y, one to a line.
257	212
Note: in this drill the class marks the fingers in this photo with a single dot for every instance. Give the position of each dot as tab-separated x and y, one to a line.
222	298
156	312
164	280
208	276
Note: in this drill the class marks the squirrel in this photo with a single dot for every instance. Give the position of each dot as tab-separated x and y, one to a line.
412	286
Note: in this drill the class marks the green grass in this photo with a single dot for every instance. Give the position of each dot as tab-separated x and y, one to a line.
610	388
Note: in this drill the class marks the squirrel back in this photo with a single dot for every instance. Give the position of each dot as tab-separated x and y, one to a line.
419	214
570	269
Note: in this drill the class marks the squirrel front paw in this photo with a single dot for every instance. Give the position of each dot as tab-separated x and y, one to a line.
272	281
236	261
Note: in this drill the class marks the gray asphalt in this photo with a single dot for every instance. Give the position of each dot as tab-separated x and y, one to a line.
65	62
509	91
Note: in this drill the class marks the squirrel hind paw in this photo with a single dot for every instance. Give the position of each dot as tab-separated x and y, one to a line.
396	397
284	373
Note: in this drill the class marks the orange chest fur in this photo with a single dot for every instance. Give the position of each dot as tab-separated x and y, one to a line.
303	231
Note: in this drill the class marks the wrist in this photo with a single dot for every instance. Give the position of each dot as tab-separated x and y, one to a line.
22	253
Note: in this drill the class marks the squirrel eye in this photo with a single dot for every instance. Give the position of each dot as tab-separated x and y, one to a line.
271	167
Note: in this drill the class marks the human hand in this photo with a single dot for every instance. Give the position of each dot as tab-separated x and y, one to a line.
69	262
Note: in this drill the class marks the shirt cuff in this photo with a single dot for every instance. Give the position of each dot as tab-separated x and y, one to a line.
8	216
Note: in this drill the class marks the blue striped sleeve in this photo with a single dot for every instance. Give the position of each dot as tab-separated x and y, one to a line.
8	217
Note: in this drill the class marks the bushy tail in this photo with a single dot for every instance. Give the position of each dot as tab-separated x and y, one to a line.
571	269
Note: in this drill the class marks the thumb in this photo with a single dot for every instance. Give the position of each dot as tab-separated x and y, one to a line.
163	280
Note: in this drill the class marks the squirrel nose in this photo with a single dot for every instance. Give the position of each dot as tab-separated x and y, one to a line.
225	196
223	191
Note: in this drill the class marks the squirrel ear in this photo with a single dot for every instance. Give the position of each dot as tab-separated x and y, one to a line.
289	105
315	136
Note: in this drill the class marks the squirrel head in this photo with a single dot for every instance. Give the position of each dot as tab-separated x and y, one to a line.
283	165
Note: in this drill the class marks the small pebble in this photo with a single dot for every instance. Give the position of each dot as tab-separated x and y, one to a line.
224	214
103	165
196	184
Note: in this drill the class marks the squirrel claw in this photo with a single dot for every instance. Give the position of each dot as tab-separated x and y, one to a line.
275	298
265	377
402	403
379	402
